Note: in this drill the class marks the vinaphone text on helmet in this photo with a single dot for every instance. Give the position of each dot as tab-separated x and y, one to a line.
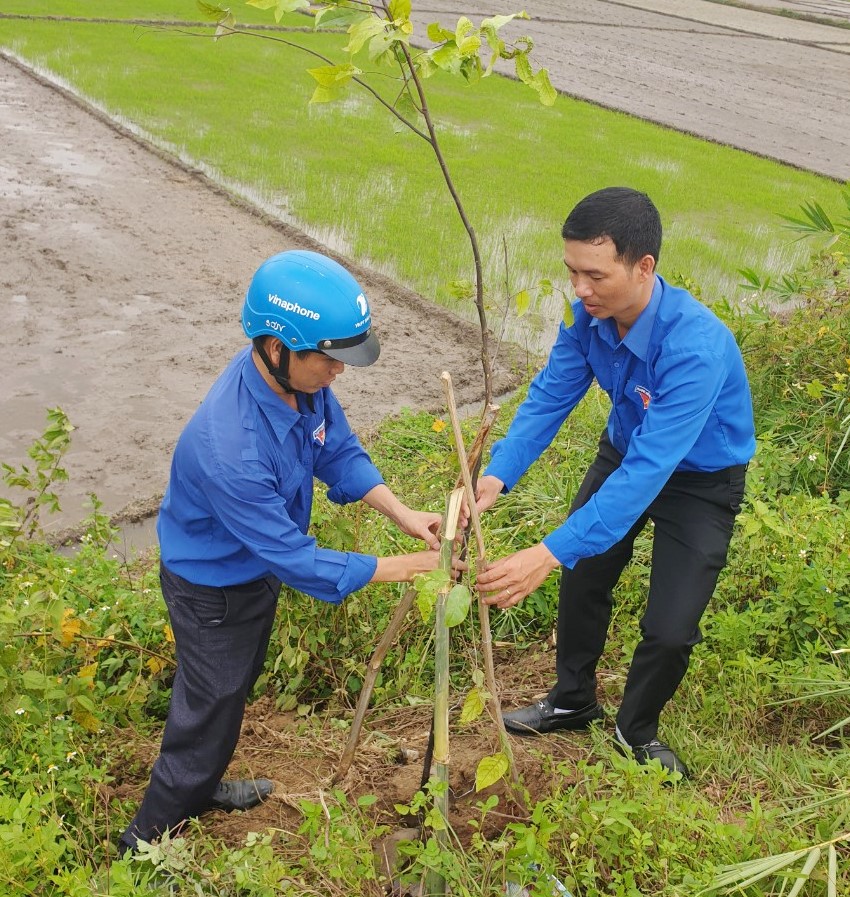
294	307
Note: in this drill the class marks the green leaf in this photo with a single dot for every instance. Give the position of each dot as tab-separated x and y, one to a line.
221	14
523	301
33	680
545	92
815	389
407	108
467	39
280	6
568	313
473	706
339	17
490	770
447	57
497	22
523	68
438	34
431	582
332	80
362	32
457	605
425	602
400	9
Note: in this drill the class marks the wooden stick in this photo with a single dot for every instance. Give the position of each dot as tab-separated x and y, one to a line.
372	668
397	620
483	609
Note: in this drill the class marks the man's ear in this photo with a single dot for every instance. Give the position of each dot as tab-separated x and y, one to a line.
646	266
273	348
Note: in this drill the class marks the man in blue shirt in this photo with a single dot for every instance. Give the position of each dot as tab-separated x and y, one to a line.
233	522
679	436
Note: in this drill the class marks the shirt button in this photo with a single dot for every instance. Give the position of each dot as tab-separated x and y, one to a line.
616	364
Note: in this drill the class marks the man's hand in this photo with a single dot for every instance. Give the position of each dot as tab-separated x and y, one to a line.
424	525
487	490
403	567
507	581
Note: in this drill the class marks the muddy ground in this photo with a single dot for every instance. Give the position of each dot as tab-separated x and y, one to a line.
765	83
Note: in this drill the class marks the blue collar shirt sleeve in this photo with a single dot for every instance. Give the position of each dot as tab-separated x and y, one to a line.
240	493
680	401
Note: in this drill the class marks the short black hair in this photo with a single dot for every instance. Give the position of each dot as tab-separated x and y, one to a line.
627	217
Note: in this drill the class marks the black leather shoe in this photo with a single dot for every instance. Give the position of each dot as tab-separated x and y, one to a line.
656	750
663	753
541	718
240	794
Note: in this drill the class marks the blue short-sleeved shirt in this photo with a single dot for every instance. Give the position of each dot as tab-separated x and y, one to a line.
240	493
680	401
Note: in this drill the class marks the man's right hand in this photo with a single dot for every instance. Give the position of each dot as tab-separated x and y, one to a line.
487	490
403	567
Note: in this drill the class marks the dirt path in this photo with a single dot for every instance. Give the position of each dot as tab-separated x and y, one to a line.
122	275
768	84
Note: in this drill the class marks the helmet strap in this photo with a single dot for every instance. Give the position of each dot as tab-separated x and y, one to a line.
281	372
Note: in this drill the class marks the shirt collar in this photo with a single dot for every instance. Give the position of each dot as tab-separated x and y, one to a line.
280	415
637	339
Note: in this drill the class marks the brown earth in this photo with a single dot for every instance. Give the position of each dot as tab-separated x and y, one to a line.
122	273
301	755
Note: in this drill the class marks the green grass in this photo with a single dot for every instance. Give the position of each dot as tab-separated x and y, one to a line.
343	174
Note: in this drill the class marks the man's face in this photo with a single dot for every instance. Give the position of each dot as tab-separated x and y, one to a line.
313	372
606	286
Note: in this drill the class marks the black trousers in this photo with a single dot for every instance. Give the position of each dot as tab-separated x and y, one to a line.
693	515
221	636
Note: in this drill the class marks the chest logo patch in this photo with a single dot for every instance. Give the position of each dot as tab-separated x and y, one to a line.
319	434
645	396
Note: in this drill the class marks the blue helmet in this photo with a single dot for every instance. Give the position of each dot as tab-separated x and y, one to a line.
308	301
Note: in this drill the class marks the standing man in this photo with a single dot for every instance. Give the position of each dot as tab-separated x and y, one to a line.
675	451
233	523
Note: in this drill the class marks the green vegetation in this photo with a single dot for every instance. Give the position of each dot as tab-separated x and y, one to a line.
86	657
341	171
85	648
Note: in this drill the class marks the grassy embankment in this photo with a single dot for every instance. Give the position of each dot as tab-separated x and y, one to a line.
85	650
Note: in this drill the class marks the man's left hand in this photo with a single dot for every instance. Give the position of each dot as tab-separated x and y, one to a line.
507	581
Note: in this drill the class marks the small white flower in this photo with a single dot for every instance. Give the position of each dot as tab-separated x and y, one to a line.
803	552
60	717
26	602
20	711
105	607
813	456
52	768
70	756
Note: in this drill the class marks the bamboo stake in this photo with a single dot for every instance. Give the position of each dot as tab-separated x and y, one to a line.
372	668
394	626
435	882
483	609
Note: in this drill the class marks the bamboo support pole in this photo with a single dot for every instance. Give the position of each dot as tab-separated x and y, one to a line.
372	668
483	609
394	626
435	882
